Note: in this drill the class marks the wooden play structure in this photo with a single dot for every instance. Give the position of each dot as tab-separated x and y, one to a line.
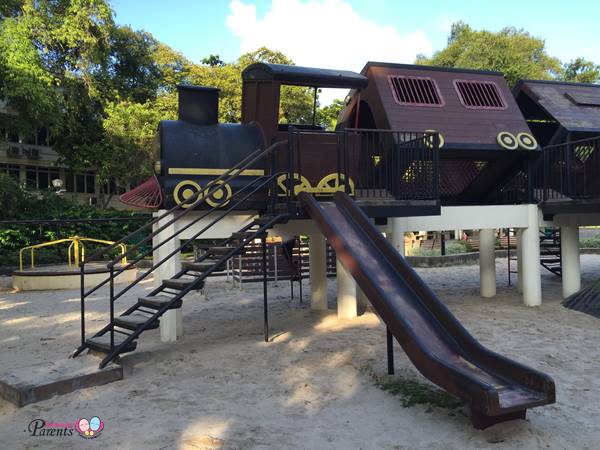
416	148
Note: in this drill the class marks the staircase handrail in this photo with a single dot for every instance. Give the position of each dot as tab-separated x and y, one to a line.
203	194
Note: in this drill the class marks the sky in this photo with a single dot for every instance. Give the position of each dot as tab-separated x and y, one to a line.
345	34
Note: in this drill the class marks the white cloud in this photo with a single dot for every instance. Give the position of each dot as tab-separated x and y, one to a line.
323	33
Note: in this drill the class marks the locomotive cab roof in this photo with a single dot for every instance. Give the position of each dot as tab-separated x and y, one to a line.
304	76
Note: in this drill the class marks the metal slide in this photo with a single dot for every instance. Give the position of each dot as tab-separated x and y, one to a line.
496	388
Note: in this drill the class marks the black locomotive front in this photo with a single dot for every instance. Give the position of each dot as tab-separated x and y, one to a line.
195	149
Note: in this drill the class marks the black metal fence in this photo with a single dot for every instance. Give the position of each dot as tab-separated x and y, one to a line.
400	164
378	164
571	171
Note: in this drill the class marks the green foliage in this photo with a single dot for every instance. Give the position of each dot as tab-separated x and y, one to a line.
414	392
19	204
25	83
592	242
131	71
581	70
452	248
512	51
327	116
130	128
11	197
213	61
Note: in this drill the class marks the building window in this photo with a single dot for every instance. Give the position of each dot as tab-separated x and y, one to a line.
416	91
479	94
42	136
90	183
40	177
12	136
84	183
11	170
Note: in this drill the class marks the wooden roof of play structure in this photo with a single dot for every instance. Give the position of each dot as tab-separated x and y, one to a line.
559	107
468	107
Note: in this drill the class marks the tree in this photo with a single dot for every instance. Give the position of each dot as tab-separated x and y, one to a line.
10	8
129	128
580	70
213	61
25	83
131	71
11	197
511	51
328	115
174	67
50	55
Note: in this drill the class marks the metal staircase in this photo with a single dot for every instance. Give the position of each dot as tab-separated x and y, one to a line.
550	257
119	335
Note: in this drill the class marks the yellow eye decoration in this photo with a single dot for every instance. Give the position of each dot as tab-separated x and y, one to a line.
527	141
507	140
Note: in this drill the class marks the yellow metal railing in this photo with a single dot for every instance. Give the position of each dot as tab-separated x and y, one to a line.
75	252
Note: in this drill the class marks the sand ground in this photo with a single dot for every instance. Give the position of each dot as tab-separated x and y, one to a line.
222	387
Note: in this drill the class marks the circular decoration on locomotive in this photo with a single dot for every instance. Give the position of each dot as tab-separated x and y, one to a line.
507	140
192	156
527	141
184	190
219	197
300	183
332	183
429	139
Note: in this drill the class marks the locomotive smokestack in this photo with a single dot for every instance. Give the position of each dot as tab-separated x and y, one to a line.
198	104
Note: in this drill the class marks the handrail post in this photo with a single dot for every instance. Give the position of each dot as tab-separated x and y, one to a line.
265	297
569	163
76	251
346	164
290	177
82	287
112	306
436	170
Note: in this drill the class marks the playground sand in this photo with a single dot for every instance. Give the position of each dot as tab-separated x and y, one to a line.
312	387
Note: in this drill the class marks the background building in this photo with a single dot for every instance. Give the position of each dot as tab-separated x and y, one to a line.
32	161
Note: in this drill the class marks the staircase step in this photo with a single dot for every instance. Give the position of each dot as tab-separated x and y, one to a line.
219	250
180	283
158	301
198	266
241	235
134	321
550	260
263	220
102	343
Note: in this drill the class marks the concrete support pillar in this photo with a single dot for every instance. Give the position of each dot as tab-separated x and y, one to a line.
519	260
487	262
398	228
347	307
530	252
318	272
571	267
171	322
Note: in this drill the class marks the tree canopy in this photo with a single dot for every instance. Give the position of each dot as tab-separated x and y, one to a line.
101	88
512	51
